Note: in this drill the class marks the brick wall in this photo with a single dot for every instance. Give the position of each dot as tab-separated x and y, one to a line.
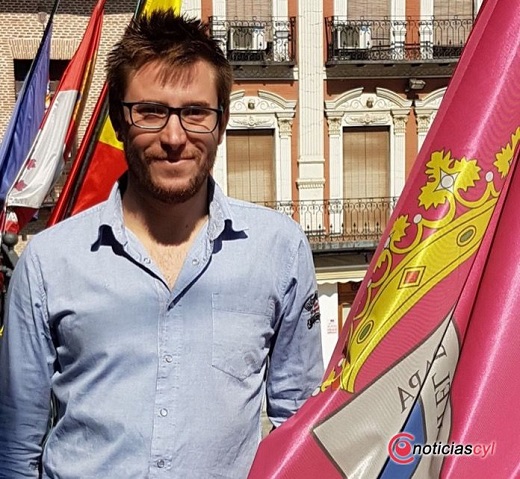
20	37
21	34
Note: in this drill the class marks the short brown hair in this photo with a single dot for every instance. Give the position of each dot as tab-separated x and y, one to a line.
174	40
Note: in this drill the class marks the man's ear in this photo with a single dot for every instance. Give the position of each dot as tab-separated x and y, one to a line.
119	128
118	133
117	121
222	125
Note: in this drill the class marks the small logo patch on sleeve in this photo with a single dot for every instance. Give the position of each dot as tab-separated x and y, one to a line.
313	307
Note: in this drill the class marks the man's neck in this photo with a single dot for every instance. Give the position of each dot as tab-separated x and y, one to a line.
168	224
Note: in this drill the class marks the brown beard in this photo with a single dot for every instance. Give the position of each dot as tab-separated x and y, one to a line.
139	175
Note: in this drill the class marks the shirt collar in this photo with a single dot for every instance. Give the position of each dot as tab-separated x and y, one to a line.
111	214
221	215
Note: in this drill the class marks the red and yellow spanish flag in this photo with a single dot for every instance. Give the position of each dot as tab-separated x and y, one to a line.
56	135
100	159
423	381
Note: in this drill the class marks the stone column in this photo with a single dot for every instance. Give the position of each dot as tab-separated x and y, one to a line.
398	168
283	165
281	31
311	100
334	120
426	29
423	125
340	8
219	31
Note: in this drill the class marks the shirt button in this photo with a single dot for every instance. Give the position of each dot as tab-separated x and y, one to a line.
147	260
195	262
168	358
163	412
160	463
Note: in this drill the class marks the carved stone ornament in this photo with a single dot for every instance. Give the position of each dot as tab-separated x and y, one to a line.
423	123
285	126
400	124
367	119
251	121
334	126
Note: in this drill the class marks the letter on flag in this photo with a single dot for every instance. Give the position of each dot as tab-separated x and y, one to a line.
27	114
100	159
427	358
46	158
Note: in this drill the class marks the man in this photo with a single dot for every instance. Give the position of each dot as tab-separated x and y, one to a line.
159	318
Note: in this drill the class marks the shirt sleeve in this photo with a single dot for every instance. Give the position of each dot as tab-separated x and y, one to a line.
296	361
27	357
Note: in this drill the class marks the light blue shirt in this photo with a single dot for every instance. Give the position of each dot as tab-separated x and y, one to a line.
153	382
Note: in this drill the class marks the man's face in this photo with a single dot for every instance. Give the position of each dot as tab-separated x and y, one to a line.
171	165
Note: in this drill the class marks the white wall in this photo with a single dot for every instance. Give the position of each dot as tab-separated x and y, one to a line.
328	298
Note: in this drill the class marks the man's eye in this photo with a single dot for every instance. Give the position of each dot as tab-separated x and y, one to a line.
195	112
150	110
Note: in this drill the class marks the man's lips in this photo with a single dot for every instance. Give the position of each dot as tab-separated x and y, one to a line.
171	160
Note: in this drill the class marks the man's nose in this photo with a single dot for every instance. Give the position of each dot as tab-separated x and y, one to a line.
173	133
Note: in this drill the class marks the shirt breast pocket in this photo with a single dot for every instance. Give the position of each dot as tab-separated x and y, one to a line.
241	334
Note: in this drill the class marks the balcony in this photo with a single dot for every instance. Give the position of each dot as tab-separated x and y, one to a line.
395	48
258	48
342	224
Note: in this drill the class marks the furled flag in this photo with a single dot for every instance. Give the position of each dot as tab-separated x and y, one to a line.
423	380
57	133
27	114
100	159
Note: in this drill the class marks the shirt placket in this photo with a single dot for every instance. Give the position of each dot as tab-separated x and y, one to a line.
168	404
169	351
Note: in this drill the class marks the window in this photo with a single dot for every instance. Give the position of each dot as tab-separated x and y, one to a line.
56	70
366	181
247	9
250	165
453	8
453	20
377	9
376	32
366	162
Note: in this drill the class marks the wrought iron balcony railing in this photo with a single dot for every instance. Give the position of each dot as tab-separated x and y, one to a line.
266	41
404	40
346	223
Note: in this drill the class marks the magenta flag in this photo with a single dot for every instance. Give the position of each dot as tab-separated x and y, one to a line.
423	379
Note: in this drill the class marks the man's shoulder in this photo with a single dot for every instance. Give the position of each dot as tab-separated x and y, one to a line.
68	233
255	214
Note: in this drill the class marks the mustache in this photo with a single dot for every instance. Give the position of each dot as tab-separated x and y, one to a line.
170	158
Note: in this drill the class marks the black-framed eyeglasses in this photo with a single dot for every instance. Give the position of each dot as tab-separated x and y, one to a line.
155	116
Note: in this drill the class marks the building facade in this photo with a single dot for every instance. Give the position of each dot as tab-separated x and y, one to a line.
331	103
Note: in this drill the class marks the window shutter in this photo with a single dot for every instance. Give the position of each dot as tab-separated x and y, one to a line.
445	9
247	9
376	9
366	162
250	165
449	31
